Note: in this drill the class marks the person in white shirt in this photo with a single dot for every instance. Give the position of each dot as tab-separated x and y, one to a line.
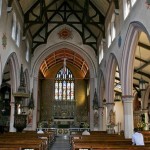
85	132
137	138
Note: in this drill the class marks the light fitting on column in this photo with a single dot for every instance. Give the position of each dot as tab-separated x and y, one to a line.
142	84
6	96
117	97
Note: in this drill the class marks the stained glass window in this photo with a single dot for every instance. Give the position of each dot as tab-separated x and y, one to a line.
64	85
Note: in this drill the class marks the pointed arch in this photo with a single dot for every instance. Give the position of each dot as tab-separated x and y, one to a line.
14	65
129	54
110	77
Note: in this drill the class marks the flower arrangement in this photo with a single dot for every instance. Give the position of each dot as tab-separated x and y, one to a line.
85	125
40	125
141	125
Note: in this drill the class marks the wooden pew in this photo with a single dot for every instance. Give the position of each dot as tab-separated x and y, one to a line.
104	142
34	144
9	148
24	141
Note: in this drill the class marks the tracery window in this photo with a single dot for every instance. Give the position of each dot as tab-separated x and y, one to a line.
64	85
13	33
111	31
108	36
0	7
18	34
101	52
27	51
127	5
133	2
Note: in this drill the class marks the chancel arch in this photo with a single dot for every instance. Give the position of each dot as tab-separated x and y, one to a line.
89	76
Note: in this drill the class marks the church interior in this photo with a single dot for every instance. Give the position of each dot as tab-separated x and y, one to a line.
71	65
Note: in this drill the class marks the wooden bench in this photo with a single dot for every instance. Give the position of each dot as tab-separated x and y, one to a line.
104	142
23	141
9	148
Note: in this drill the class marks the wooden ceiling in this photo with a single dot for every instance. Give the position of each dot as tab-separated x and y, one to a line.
58	57
87	17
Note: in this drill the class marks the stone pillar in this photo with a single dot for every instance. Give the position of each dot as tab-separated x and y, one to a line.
104	118
96	120
92	89
12	129
35	97
128	115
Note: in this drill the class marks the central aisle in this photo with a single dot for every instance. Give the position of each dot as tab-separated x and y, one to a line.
61	143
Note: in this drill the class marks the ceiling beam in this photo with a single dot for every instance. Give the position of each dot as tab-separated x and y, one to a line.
143	66
69	23
142	73
142	60
144	45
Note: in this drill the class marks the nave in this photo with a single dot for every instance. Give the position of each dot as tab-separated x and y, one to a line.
60	143
97	140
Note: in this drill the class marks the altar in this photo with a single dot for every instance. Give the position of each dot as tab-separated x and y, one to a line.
63	113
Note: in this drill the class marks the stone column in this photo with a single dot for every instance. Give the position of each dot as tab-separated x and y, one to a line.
12	129
96	119
104	118
35	97
128	115
92	89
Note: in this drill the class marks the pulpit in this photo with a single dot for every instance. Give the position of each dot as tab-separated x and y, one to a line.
20	122
19	117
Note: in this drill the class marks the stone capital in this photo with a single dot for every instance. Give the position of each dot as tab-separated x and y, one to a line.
127	98
12	103
144	110
109	104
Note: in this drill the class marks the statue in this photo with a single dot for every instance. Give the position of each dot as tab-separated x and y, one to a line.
112	117
111	122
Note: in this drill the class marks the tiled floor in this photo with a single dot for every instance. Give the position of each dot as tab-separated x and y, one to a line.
61	143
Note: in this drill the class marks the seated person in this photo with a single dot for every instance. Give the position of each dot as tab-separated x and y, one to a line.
85	132
40	131
137	138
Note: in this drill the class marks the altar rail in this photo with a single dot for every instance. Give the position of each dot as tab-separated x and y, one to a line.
64	131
